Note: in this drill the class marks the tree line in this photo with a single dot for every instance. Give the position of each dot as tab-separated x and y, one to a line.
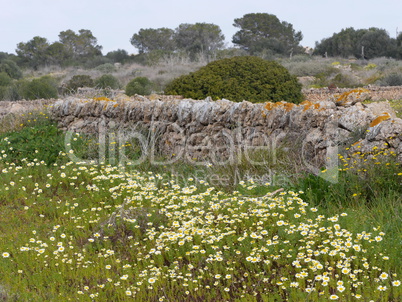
362	43
259	34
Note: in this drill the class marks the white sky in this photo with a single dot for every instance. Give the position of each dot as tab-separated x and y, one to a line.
114	22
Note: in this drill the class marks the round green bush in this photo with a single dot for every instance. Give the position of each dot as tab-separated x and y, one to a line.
237	79
107	81
78	81
106	68
139	85
41	88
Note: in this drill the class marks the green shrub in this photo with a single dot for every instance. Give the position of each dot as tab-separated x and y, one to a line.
93	62
5	81
237	79
16	89
393	79
370	66
344	80
41	88
139	85
308	68
11	69
3	92
38	139
78	81
367	177
106	68
118	56
107	81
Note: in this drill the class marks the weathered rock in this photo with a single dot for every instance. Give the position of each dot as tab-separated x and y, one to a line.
351	97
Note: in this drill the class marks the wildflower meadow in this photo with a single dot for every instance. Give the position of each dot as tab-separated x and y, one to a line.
82	231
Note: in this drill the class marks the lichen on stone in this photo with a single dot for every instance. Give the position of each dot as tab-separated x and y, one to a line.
283	105
379	119
352	97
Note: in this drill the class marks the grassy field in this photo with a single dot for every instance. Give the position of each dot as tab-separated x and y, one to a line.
75	231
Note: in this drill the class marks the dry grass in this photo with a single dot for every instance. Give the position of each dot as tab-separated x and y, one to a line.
167	69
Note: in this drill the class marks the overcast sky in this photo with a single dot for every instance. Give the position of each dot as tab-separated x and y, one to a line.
113	23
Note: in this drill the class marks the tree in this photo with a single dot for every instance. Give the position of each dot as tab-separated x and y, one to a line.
68	39
199	38
57	54
370	43
4	55
346	42
191	38
398	45
118	56
262	31
33	52
399	40
72	46
150	39
81	45
375	42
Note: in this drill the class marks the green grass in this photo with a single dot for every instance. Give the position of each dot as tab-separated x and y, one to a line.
102	232
397	106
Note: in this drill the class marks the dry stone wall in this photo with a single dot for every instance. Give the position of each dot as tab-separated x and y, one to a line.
377	93
18	107
216	131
